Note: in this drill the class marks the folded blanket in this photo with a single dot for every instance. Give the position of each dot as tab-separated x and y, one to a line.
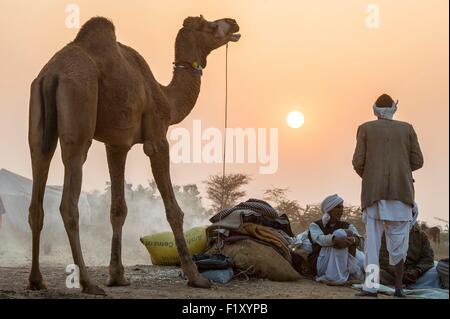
256	205
269	235
206	261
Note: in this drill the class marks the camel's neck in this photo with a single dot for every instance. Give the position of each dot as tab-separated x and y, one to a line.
182	93
183	90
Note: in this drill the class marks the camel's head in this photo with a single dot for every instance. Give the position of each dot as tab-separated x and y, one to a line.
200	37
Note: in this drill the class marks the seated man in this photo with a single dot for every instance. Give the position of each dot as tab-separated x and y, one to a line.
419	268
334	245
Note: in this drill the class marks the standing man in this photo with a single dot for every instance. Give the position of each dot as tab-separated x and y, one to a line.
386	154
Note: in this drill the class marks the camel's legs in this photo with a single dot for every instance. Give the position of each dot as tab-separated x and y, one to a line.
73	158
116	162
159	157
41	154
40	165
76	116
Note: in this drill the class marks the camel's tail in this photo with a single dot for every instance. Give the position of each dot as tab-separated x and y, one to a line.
43	122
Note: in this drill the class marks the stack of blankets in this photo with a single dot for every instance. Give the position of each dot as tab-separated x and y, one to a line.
256	238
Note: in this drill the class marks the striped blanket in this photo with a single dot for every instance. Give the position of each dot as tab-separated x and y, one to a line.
257	205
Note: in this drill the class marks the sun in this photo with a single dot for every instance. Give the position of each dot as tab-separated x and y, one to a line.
295	119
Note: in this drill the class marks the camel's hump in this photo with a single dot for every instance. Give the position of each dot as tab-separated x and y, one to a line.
97	28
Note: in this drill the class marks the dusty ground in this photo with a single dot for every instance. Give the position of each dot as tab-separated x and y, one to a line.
162	282
146	281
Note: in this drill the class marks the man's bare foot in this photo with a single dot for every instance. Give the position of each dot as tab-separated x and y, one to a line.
399	293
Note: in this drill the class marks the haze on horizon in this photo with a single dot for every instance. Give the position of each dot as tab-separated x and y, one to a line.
316	57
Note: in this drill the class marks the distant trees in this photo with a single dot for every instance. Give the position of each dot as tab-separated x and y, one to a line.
283	205
301	217
145	201
225	191
190	200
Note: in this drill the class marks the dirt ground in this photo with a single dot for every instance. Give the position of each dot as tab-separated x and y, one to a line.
150	282
147	281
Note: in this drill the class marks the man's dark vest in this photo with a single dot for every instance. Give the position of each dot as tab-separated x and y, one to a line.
327	230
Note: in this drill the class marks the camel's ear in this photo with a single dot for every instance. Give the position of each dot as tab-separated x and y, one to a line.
194	23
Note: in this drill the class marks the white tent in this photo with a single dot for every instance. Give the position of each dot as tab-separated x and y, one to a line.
15	194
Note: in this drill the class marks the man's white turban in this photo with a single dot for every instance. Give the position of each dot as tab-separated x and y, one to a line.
327	205
385	112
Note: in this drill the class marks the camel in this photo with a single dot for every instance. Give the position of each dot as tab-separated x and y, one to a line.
434	233
97	88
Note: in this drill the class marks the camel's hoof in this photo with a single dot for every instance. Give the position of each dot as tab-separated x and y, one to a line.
93	290
119	281
200	282
37	285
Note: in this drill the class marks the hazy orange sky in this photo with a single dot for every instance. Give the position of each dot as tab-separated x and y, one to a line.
315	56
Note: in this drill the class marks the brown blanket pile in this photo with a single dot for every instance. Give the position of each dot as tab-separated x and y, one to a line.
257	241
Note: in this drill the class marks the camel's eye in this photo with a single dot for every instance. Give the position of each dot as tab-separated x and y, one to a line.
209	28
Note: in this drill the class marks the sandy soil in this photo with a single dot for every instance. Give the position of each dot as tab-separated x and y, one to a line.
146	281
163	282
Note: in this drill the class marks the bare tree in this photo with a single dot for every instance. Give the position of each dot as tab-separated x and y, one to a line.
301	217
284	205
275	195
190	200
225	191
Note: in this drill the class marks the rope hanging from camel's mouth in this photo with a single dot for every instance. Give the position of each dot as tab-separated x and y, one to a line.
226	114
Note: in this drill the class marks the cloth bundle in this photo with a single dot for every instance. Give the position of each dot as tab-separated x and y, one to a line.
268	235
239	232
256	205
215	267
205	261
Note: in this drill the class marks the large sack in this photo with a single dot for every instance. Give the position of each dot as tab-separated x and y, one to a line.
300	262
163	250
261	260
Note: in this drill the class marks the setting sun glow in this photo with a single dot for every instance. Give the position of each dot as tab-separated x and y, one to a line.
295	119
